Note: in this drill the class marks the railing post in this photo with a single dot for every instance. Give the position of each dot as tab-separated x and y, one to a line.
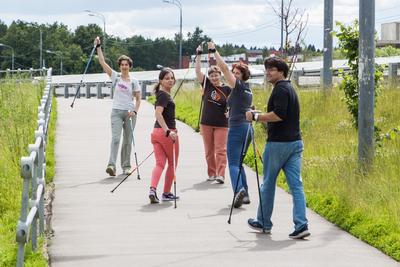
112	91
99	91
22	229
393	74
143	85
66	93
41	177
87	90
33	194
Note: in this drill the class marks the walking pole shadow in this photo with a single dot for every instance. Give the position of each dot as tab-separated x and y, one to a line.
221	212
107	180
205	185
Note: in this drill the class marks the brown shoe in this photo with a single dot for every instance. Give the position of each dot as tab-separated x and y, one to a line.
110	170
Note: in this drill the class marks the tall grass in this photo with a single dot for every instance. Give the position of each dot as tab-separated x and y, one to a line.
18	121
366	205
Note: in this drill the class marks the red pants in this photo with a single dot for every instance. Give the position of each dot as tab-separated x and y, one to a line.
214	139
163	147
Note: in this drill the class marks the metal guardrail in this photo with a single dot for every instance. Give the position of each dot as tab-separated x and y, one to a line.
23	74
390	70
33	171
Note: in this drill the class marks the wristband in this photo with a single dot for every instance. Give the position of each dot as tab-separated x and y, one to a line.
167	133
212	50
199	52
98	45
135	112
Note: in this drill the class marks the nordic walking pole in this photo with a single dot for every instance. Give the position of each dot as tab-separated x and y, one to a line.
134	150
258	178
80	83
126	177
242	155
174	165
204	87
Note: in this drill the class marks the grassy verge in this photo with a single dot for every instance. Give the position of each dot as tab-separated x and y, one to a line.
366	205
18	116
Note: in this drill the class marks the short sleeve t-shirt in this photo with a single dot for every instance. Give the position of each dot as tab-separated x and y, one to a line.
164	100
284	103
215	104
123	92
239	102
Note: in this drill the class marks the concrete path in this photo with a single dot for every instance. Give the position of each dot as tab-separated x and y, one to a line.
94	227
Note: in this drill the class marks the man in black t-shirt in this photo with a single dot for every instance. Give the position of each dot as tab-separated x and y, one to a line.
283	150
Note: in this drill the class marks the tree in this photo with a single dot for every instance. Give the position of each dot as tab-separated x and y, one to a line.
85	35
294	24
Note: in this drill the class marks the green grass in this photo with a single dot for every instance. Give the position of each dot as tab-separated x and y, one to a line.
18	116
366	205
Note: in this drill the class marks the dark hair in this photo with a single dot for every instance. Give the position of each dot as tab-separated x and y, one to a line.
213	69
243	68
161	76
122	58
276	62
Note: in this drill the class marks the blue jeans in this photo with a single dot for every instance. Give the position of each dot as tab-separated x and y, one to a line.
238	136
284	156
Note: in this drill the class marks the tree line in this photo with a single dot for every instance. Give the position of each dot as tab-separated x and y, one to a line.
75	46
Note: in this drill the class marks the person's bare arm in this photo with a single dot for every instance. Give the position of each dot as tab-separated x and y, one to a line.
107	69
229	77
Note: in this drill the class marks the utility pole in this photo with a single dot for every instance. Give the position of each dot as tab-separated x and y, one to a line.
282	28
41	48
366	81
328	44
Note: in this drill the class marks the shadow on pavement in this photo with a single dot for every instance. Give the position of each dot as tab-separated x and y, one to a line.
205	185
156	207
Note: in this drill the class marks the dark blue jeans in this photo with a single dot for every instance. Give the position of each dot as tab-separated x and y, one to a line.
238	136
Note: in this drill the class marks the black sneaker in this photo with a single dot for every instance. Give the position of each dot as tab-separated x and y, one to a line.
239	198
255	225
169	197
246	199
301	233
153	196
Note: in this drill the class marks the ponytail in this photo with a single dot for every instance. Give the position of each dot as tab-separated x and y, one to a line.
157	88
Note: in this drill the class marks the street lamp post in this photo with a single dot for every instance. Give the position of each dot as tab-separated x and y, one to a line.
101	16
58	53
179	5
12	55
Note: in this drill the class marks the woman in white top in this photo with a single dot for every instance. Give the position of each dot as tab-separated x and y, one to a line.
124	110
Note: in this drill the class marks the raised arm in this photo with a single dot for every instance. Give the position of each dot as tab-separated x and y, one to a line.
229	77
199	74
107	69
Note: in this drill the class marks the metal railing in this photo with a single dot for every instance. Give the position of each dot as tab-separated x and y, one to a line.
33	172
23	74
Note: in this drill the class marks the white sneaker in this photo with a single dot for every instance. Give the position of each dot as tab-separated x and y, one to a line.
220	179
127	171
211	178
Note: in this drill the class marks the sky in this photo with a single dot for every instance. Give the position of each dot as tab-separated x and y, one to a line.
248	22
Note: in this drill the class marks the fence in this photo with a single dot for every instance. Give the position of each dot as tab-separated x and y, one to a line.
33	172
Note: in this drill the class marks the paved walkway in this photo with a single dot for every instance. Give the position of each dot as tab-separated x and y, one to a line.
94	227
